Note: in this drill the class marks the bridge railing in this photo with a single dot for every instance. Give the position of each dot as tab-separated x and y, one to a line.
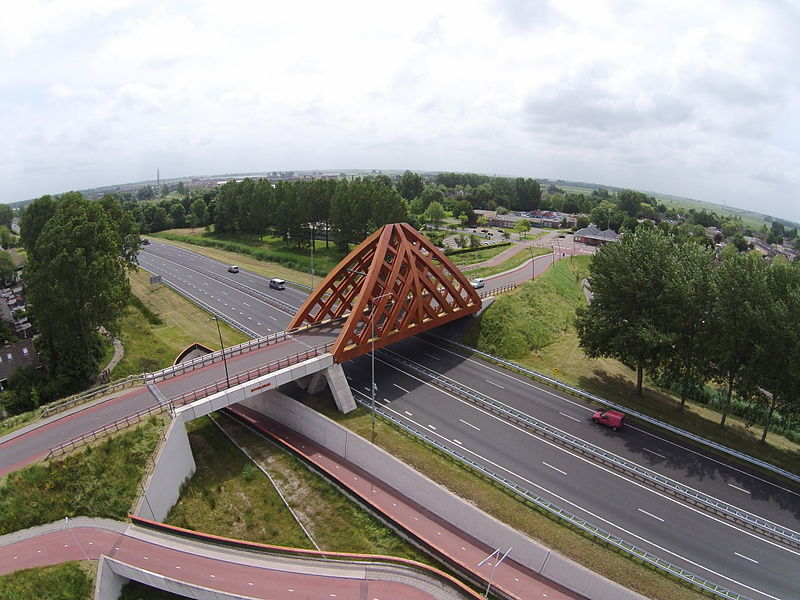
245	376
191	396
630	468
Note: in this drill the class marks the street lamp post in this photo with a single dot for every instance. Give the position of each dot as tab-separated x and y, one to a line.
494	566
533	264
312	258
372	321
224	361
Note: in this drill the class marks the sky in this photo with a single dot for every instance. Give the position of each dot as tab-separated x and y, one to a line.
697	99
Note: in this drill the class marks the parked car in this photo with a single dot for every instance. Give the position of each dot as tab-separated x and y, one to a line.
233	269
477	283
610	418
277	284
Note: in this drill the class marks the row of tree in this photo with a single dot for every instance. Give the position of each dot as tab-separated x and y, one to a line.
79	254
660	303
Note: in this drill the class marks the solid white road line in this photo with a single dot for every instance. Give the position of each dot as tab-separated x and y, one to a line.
753	560
554	468
650	515
652	452
736	487
476	428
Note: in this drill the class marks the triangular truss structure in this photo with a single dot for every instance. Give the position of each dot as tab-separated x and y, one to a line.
396	283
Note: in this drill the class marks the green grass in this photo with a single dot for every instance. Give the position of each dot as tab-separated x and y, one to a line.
493	500
511	263
149	346
67	581
534	315
268	257
245	505
100	481
534	326
477	255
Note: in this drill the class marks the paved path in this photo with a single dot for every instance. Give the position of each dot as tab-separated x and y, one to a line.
235	571
513	578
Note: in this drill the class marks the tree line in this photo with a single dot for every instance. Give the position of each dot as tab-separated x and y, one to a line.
79	253
669	306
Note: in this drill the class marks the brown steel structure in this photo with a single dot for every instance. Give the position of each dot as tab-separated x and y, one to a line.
397	284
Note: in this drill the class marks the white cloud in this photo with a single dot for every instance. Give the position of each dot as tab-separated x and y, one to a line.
685	98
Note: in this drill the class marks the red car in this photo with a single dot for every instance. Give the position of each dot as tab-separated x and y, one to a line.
610	418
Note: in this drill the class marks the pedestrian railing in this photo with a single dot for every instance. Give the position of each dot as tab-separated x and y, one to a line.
185	398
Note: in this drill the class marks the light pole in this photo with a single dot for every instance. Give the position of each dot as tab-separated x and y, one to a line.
533	264
372	321
494	566
312	258
224	361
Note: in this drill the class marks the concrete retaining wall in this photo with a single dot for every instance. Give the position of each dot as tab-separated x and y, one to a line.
174	465
436	498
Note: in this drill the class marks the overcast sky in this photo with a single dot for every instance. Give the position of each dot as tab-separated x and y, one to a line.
698	99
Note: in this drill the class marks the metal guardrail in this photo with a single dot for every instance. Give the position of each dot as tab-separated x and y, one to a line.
565	516
696	497
245	376
500	290
107	429
233	283
130	380
640	416
185	398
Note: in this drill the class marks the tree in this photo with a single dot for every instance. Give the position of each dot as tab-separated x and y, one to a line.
7	266
777	360
506	234
410	185
689	295
6	215
180	187
738	322
522	227
6	237
76	278
627	314
434	214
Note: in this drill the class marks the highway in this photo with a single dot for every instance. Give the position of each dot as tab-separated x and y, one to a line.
686	536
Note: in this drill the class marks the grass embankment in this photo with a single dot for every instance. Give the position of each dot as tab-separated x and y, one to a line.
534	327
229	496
534	315
67	581
511	263
100	481
493	500
150	345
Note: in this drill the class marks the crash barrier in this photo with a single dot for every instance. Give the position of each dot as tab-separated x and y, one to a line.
565	516
630	468
640	416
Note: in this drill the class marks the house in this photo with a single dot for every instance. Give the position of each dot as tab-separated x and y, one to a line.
14	356
552	218
594	236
